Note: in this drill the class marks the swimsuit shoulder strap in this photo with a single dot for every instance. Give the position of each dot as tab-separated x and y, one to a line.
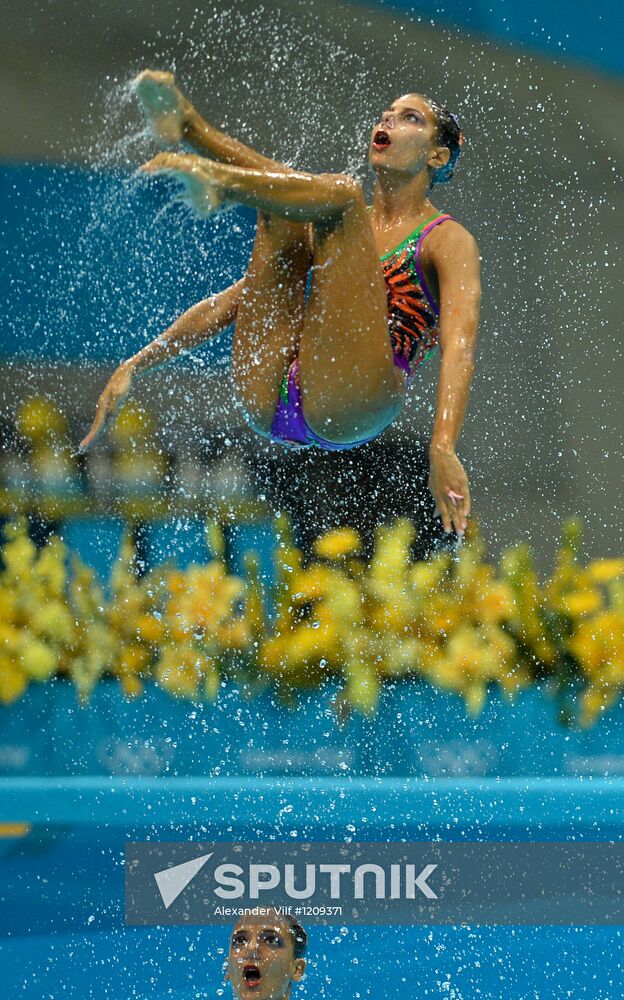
428	226
418	233
431	224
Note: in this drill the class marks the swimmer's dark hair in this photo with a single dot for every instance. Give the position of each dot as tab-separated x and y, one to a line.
297	933
449	133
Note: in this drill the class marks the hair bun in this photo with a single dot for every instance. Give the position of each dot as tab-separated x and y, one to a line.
460	137
450	134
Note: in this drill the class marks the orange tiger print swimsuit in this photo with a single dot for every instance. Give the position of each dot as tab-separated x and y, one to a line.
413	313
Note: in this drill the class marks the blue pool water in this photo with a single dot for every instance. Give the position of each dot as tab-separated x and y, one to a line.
384	963
62	919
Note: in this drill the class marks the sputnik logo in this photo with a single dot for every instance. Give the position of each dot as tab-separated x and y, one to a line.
172	881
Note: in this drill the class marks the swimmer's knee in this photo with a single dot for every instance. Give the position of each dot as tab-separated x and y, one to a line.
349	188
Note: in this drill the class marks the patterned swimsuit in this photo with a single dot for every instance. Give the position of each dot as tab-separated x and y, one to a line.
412	311
412	325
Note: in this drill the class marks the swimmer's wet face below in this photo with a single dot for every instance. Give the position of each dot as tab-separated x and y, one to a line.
261	962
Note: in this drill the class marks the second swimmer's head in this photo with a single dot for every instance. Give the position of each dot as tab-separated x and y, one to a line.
417	133
266	956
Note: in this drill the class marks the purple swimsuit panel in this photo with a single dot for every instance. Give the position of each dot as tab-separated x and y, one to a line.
289	424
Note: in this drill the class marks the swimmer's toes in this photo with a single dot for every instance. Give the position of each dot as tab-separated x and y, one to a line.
203	196
165	161
162	103
151	78
150	167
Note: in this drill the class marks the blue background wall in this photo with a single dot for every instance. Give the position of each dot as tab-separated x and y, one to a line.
567	29
95	264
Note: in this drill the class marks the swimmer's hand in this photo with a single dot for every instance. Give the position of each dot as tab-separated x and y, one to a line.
448	483
115	391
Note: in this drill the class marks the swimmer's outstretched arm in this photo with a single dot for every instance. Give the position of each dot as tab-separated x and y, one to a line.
455	256
199	323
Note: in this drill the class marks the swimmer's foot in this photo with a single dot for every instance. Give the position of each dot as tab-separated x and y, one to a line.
163	104
197	176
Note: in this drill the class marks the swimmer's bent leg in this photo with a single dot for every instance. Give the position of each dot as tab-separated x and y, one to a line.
173	118
207	139
297	196
270	316
350	386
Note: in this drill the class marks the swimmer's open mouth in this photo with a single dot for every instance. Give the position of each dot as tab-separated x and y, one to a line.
381	139
251	975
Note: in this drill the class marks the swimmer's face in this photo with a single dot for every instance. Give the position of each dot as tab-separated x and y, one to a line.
404	139
261	962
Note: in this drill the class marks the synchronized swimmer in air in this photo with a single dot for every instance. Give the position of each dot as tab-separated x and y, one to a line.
390	283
